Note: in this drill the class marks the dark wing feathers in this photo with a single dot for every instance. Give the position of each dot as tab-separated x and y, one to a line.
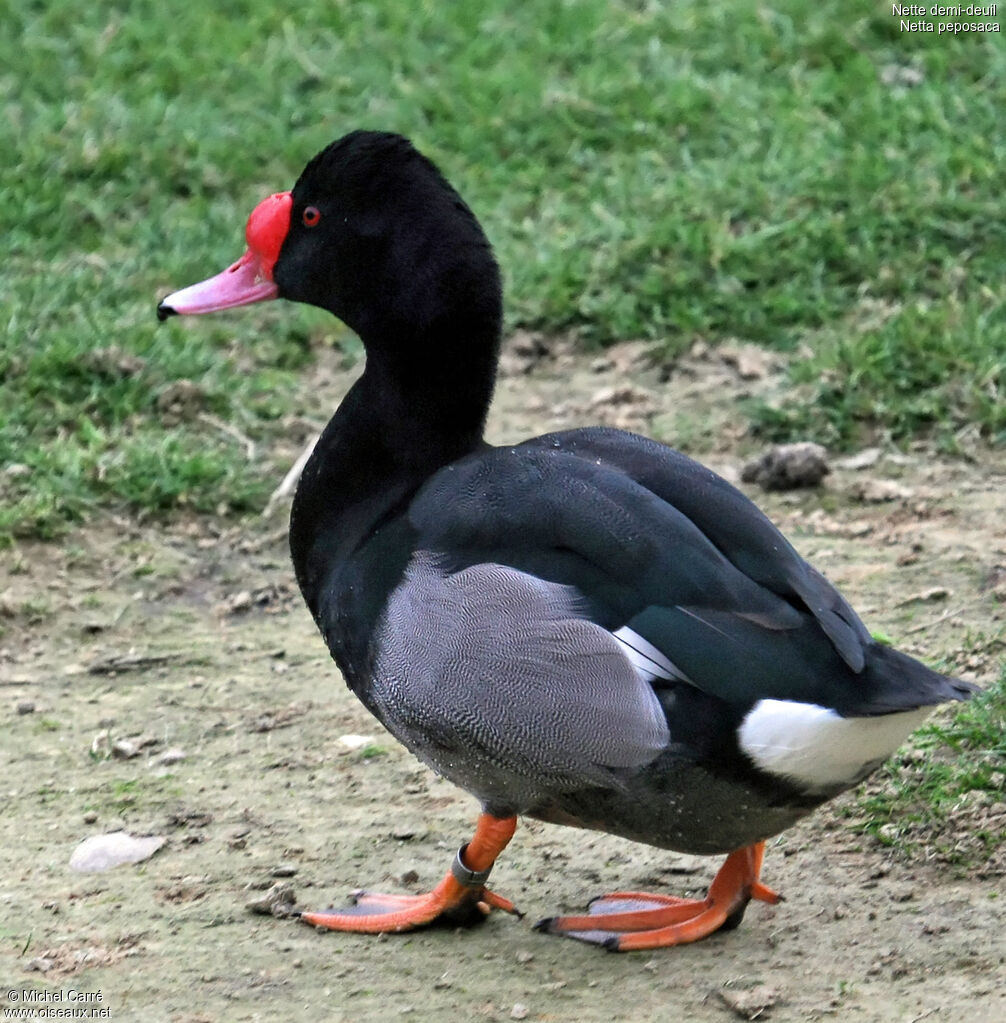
540	507
653	540
731	522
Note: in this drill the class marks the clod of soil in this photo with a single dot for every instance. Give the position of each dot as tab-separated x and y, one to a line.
788	467
278	901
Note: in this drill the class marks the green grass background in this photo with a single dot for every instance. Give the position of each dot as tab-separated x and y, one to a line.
802	175
939	798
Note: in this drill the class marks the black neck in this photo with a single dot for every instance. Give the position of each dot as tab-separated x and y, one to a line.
416	408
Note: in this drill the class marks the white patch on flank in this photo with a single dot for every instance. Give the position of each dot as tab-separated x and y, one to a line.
817	747
650	662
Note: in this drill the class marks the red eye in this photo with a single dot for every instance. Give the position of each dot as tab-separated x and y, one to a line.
311	217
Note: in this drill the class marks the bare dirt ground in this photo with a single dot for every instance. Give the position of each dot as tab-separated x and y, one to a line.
167	681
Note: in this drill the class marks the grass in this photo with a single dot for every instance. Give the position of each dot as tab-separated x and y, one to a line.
670	171
934	369
944	794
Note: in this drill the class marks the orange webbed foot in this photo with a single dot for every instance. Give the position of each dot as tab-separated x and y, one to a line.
626	921
460	898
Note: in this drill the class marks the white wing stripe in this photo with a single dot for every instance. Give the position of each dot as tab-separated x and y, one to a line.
645	657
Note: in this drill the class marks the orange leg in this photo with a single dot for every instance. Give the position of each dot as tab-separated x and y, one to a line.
624	921
461	896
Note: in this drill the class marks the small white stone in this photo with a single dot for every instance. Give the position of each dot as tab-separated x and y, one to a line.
355	741
102	852
171	756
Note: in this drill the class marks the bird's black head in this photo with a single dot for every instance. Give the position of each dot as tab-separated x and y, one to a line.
374	233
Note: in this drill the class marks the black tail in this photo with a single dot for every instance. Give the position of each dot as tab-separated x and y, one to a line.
893	681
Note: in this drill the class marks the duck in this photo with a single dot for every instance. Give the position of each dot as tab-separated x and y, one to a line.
587	628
